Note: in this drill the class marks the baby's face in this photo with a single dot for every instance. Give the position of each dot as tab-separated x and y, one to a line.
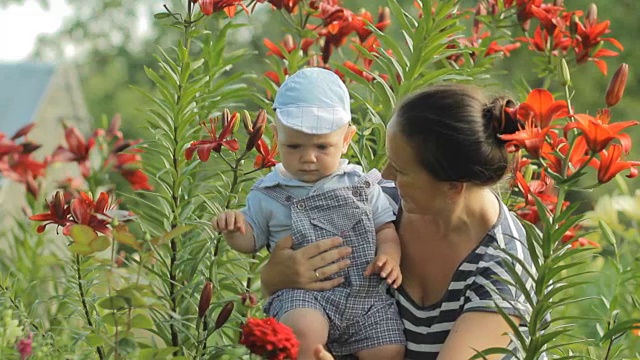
309	157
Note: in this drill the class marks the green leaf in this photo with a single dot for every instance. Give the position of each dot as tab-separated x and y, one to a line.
94	340
175	232
127	345
162	15
126	238
81	249
100	243
82	234
113	303
141	321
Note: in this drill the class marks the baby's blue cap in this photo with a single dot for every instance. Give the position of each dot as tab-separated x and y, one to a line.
314	101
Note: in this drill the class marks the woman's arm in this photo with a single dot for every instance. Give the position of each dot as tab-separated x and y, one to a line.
288	268
476	331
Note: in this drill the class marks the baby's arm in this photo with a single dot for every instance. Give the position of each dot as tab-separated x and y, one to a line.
236	231
387	261
388	242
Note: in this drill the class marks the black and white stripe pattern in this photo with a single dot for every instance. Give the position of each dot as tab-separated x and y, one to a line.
474	287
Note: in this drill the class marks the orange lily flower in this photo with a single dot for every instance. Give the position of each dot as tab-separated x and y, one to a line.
266	156
288	44
597	131
208	7
610	164
542	107
531	138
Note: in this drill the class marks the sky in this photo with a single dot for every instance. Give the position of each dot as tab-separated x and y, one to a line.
20	26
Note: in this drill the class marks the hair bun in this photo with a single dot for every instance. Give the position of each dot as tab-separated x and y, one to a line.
500	117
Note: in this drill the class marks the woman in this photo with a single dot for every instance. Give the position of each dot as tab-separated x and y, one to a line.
444	155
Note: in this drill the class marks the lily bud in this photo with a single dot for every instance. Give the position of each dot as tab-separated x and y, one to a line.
616	85
205	299
28	147
23	131
559	3
288	43
246	122
261	119
565	75
249	299
255	136
224	315
59	205
384	16
226	117
573	28
591	17
114	126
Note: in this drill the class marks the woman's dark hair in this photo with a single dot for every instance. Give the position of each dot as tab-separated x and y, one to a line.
454	132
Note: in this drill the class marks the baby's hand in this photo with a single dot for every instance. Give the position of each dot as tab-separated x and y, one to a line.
387	268
229	221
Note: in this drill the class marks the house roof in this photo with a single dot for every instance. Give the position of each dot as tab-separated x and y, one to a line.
22	87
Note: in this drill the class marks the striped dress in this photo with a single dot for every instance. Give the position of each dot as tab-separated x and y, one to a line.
474	287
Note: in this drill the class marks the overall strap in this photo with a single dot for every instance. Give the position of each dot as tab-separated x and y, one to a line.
277	193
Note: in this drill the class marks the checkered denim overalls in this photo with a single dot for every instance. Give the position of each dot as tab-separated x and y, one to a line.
360	313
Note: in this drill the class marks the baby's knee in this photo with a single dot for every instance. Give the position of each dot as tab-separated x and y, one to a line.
309	325
387	352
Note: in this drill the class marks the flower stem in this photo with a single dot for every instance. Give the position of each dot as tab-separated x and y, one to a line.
85	307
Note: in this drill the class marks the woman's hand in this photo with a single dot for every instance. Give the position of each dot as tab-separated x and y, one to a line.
305	268
319	353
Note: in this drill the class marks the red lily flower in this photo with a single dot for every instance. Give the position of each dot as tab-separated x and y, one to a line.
289	6
266	156
20	167
205	147
85	211
610	164
495	48
556	150
361	20
571	237
541	40
77	150
358	71
542	108
531	138
58	213
288	44
129	165
208	7
597	131
588	37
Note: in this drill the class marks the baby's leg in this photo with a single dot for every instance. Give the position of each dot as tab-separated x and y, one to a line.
387	352
310	327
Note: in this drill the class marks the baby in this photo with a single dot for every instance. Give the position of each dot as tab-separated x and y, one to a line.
313	194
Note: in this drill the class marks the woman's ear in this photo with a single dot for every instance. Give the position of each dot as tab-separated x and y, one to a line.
348	135
454	190
274	129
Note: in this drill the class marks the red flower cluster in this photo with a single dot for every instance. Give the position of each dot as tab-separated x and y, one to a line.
229	121
116	149
208	7
270	339
564	151
337	25
16	162
81	210
560	31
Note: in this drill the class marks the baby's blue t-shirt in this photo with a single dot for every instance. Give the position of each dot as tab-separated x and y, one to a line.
271	220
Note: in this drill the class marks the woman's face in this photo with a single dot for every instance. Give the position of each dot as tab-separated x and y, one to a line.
420	192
